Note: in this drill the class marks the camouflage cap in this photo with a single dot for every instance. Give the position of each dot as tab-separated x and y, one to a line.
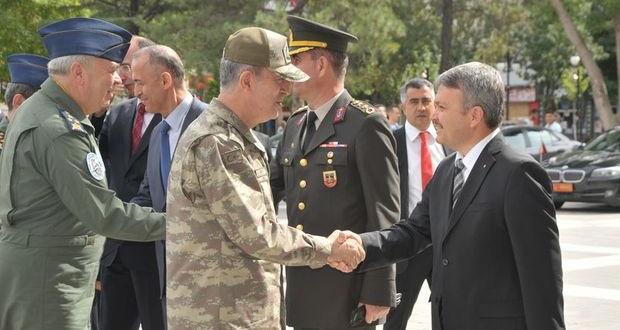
263	48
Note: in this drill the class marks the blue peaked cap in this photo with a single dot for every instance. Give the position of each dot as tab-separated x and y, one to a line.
27	69
86	36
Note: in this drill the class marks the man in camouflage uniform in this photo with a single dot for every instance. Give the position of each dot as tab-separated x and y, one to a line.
54	192
223	239
27	74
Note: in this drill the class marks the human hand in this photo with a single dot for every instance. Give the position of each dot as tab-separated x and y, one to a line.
374	313
347	251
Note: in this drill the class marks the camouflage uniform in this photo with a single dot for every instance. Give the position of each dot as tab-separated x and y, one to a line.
223	239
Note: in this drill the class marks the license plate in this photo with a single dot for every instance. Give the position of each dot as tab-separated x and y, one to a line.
563	187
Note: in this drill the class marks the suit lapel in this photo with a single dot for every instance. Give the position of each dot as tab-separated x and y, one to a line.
144	141
401	152
326	129
476	178
125	118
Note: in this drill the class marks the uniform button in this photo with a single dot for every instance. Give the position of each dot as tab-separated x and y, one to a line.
329	161
300	227
286	160
301	206
444	261
302	184
330	154
303	162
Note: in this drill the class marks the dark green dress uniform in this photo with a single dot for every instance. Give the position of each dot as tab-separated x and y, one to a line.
55	205
346	179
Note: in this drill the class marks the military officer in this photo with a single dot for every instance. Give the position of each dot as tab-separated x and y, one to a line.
224	242
337	167
27	73
55	203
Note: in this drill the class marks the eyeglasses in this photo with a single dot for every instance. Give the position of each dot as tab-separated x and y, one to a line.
124	68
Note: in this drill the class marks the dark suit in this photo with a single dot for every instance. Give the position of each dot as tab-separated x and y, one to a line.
346	179
152	192
410	274
496	256
125	172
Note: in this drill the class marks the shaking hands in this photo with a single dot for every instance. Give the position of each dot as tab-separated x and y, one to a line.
347	251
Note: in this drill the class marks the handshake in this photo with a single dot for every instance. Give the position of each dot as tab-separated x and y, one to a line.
347	251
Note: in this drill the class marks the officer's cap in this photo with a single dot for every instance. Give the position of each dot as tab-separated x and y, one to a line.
263	48
27	69
305	35
86	36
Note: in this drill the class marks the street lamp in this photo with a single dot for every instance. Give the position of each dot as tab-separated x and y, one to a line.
574	61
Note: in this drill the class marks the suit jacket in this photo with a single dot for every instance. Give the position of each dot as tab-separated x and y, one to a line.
152	191
496	263
346	179
123	170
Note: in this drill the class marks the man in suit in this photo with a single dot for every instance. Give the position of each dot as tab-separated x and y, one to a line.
418	153
123	143
159	78
488	214
337	166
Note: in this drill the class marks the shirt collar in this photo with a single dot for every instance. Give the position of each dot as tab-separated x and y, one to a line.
470	159
175	118
322	110
412	132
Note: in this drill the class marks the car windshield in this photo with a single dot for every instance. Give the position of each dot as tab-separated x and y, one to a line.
609	141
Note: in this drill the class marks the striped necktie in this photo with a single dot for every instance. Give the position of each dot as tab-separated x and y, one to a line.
459	180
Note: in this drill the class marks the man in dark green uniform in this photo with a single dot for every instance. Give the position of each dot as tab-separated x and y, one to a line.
27	73
55	204
337	167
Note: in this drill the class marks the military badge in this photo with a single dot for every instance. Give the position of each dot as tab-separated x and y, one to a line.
340	115
72	123
363	106
330	179
95	166
1	140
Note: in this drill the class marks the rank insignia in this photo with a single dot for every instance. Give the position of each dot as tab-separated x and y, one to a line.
330	179
340	115
95	166
1	140
363	106
72	123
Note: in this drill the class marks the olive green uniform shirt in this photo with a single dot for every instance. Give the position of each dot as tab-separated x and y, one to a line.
54	204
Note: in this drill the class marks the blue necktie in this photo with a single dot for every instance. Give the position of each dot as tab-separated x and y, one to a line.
164	156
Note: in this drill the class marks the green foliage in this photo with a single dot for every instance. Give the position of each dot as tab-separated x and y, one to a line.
573	77
21	20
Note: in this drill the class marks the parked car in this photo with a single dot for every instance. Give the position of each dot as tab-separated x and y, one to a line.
590	174
531	138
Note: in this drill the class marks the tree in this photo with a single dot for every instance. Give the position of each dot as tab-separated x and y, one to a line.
599	88
446	35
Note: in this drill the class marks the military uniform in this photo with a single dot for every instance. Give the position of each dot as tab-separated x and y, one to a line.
54	206
4	124
345	178
223	239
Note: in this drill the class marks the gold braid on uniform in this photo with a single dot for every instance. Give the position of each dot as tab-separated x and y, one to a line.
1	140
362	106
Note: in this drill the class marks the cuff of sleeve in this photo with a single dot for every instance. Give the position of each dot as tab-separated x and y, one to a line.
322	249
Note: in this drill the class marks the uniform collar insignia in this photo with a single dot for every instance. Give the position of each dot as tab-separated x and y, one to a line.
340	113
73	124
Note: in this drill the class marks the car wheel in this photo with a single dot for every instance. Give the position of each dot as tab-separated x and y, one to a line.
558	205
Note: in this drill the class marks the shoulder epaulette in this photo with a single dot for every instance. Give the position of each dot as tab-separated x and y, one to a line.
362	106
1	140
73	124
302	109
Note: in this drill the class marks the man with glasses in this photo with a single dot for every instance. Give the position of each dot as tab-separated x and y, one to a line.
418	153
124	144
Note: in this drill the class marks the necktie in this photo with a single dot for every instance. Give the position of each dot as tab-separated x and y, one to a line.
310	129
425	159
164	153
459	180
136	131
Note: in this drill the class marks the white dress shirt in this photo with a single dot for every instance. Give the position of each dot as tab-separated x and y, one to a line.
414	161
471	158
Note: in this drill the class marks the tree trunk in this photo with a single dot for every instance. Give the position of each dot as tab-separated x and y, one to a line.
599	89
446	35
617	33
134	9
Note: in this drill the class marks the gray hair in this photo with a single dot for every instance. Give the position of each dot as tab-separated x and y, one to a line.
416	83
166	58
60	66
230	72
17	88
481	85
